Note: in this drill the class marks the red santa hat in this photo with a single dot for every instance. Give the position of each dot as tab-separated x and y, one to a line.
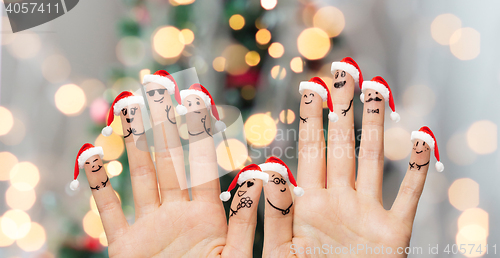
425	134
200	91
123	100
319	86
277	165
248	172
350	66
380	85
86	151
165	79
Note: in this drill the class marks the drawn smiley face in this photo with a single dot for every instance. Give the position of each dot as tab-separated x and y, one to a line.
339	79
155	92
129	113
312	98
249	186
197	117
420	147
93	164
371	95
280	182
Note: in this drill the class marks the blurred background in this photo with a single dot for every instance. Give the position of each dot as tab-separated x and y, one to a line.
58	79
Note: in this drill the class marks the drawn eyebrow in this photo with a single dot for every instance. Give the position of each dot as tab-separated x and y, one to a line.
272	175
197	98
87	162
417	144
188	101
95	160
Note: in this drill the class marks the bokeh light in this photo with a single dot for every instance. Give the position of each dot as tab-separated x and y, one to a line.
70	99
25	45
34	240
235	59
268	4
183	131
247	92
7	37
473	228
16	133
4	240
236	22
56	68
252	58
233	155
464	194
330	19
482	137
117	126
103	240
297	65
130	50
465	43
20	200
143	73
92	224
15	224
112	146
114	168
7	120
276	50
8	161
470	248
278	71
260	130
219	64
24	176
263	36
444	26
93	89
397	143
287	118
186	36
458	151
182	2
412	100
166	42
313	43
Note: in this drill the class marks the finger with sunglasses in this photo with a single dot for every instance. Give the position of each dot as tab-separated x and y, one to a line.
168	149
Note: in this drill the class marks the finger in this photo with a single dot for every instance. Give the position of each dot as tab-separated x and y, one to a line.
311	170
142	170
341	164
169	155
243	218
371	152
202	158
278	215
110	210
405	205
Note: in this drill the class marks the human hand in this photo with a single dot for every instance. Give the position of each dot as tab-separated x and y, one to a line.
167	222
339	210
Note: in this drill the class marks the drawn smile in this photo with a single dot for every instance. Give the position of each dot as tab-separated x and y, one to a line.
307	103
160	100
194	134
283	190
339	85
97	169
129	120
418	152
197	112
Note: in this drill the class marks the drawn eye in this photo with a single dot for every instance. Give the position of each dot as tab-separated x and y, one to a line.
376	92
337	75
124	112
416	144
312	94
305	95
132	111
343	74
424	143
87	163
189	103
276	180
197	103
369	94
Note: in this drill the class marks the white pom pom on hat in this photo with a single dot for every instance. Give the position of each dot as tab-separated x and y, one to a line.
225	196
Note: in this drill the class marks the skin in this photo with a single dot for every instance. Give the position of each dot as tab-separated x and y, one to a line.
177	226
168	148
197	117
338	208
96	174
